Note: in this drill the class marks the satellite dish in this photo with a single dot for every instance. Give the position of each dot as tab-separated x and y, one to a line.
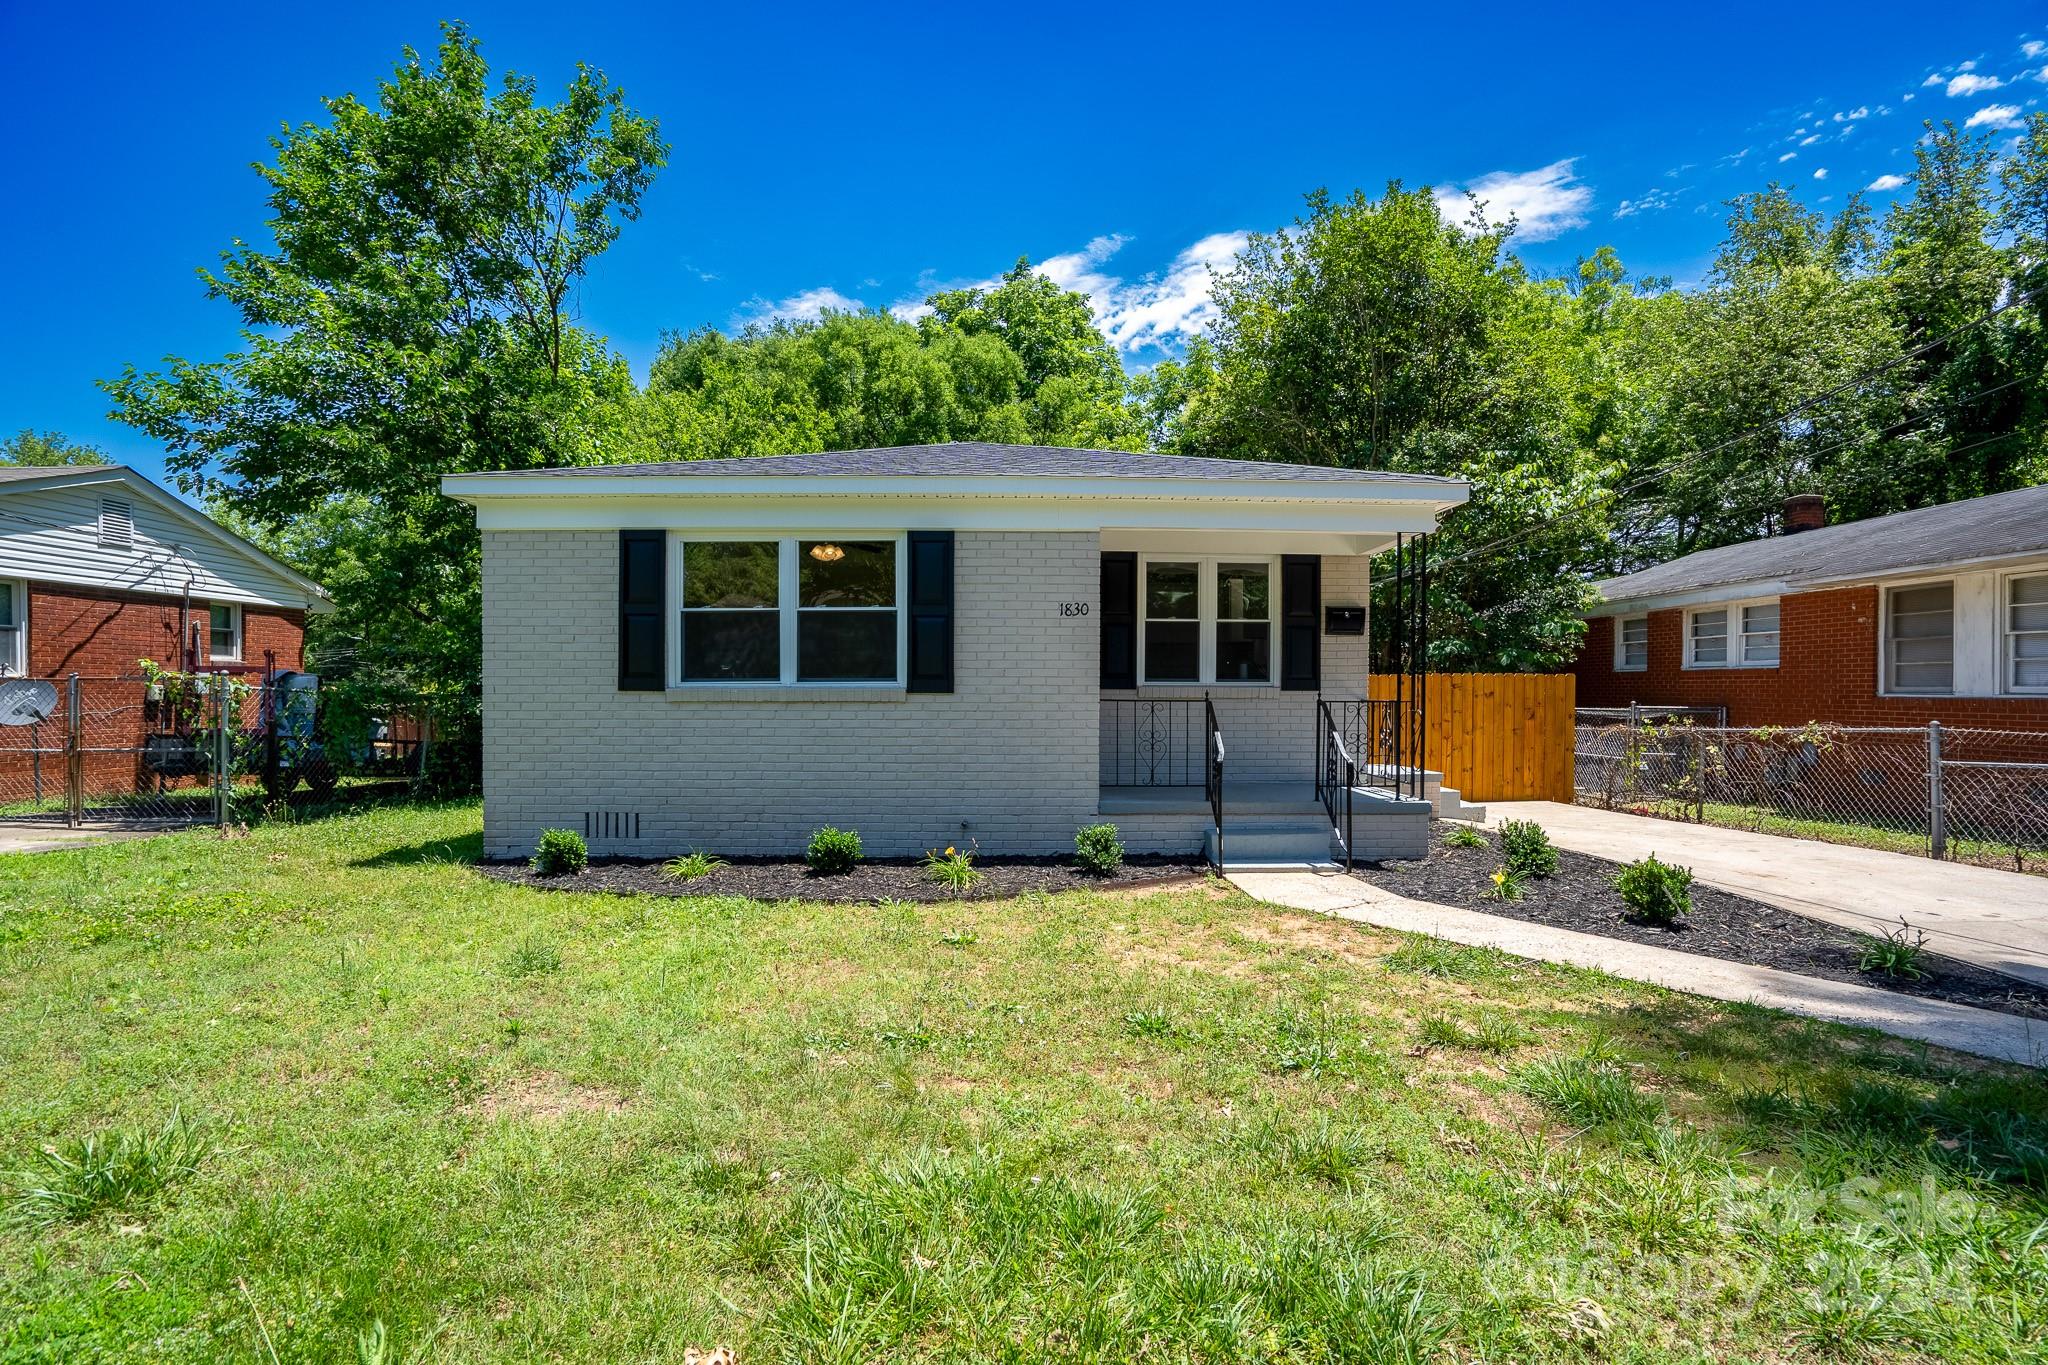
27	701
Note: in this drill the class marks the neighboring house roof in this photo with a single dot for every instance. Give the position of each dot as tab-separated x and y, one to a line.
48	536
971	458
1976	531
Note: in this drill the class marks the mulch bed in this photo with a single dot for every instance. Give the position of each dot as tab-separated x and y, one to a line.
1581	896
875	879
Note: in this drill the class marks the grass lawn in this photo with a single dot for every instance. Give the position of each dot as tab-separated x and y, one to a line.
354	1101
2015	857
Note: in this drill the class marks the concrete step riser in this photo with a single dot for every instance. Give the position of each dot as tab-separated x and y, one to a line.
1299	843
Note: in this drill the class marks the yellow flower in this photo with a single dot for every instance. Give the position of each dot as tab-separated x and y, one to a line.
949	850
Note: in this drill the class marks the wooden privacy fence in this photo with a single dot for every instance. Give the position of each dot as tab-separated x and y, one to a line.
1497	736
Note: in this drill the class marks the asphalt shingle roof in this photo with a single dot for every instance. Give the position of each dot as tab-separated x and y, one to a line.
13	473
968	458
1990	527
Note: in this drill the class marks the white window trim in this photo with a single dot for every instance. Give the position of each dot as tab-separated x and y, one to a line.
1884	634
235	617
14	643
1735	637
2006	686
1620	661
1205	616
786	608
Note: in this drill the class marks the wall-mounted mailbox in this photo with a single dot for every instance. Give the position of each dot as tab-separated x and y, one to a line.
1343	620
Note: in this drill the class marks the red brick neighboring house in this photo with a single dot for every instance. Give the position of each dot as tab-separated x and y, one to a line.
1935	614
99	568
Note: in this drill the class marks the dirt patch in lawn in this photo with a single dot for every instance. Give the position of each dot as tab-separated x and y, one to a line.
1581	896
877	879
544	1097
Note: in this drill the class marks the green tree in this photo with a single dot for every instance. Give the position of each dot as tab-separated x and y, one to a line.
410	320
1373	334
31	447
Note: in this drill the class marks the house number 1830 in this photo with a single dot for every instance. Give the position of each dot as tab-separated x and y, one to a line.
1073	608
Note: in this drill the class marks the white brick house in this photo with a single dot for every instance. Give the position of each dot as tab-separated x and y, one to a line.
928	644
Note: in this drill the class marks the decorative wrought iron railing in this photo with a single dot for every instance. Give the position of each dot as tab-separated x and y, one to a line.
1383	740
1155	743
1338	773
1212	776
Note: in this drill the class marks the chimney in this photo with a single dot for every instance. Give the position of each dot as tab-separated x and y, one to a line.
1805	512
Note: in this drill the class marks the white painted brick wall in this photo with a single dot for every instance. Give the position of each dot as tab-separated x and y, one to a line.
1009	759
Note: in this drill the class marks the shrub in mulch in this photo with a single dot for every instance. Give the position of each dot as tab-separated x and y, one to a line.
870	880
1581	895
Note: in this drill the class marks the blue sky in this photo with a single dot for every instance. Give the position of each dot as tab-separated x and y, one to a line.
827	156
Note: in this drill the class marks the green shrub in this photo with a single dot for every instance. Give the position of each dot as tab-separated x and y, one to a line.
560	851
1526	849
1657	892
1895	953
117	1169
1464	836
691	866
1097	849
954	868
833	851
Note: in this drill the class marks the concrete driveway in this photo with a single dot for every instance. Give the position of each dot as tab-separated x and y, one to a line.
1978	914
38	836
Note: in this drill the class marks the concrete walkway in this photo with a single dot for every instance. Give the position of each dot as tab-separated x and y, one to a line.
37	836
1985	1033
1983	915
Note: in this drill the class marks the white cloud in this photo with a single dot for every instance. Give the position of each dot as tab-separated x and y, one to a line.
1821	173
1907	97
1931	80
1995	116
1809	141
1653	200
1886	182
1155	310
1544	202
2032	50
807	306
1968	84
1786	157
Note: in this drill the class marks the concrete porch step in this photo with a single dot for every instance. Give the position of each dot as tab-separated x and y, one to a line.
1272	841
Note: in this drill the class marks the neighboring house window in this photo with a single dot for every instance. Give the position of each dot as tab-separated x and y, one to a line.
2026	633
13	628
1760	634
1208	621
1632	644
1706	639
1919	639
791	611
224	631
117	523
1739	635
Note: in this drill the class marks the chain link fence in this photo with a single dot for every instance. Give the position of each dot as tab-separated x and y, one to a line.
163	748
1970	795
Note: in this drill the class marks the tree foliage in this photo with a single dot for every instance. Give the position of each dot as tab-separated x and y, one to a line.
409	317
47	448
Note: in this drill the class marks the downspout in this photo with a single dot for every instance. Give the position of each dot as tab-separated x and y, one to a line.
190	660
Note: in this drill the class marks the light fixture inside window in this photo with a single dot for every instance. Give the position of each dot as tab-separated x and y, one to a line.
827	553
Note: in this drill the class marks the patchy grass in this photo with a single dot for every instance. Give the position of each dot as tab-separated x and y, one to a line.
1891	839
451	1119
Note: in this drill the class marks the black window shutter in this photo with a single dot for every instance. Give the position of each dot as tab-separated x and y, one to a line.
1119	619
1301	636
931	611
643	611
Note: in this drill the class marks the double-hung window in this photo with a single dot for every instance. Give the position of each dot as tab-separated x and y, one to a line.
1919	639
13	628
224	631
1632	644
790	609
2026	633
1208	620
1739	635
